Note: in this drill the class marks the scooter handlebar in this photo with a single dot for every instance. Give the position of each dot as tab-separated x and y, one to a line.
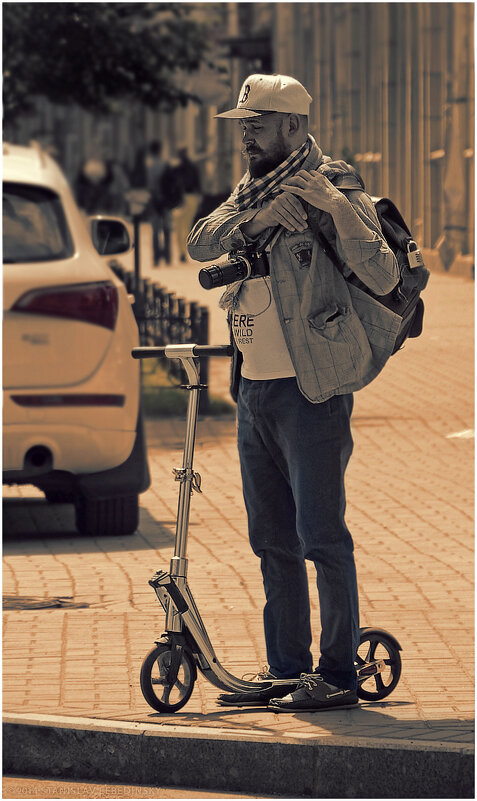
178	351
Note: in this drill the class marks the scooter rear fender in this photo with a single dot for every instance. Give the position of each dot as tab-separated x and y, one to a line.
384	635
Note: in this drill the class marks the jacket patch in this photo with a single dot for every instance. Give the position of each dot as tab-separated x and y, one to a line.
302	251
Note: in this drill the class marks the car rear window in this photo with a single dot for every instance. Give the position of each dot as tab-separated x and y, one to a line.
34	225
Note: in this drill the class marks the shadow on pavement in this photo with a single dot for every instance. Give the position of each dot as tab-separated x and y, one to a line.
365	721
31	525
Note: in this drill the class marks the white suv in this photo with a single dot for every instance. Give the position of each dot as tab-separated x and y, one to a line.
72	424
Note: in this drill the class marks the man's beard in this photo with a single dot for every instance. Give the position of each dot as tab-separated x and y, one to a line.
258	167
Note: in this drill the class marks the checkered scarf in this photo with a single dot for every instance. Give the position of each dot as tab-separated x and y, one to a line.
257	189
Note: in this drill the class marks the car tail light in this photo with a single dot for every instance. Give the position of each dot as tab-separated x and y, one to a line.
95	303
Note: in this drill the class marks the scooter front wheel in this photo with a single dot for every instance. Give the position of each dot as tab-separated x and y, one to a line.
167	688
378	664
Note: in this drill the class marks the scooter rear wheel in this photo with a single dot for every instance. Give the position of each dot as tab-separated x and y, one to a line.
161	691
377	646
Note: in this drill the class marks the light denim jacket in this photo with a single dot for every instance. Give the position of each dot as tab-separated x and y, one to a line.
338	336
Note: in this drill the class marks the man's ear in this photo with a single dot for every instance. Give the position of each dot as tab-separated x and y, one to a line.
293	124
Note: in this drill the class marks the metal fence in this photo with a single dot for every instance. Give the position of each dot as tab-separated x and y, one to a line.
164	319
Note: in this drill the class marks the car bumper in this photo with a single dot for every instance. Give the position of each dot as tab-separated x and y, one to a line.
76	449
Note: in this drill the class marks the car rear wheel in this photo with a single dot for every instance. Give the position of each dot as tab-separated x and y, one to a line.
104	517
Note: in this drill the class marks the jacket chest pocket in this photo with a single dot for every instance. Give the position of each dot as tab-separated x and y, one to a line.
300	247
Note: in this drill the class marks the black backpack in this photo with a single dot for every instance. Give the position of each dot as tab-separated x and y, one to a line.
405	299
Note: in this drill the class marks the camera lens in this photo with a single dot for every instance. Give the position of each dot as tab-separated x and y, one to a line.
222	274
210	277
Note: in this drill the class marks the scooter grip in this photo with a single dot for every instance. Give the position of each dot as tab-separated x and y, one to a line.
148	353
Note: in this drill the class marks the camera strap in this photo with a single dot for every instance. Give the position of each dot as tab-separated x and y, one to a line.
261	265
269	239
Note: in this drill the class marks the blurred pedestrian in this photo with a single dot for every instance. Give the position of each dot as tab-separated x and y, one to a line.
164	183
101	187
92	186
190	178
119	186
137	174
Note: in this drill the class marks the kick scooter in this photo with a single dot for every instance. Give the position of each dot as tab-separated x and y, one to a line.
169	671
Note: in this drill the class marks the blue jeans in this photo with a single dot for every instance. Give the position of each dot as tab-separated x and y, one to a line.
293	456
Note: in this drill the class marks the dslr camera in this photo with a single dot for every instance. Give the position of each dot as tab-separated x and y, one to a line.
241	264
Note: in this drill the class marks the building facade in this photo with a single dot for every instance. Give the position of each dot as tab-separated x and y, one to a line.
393	93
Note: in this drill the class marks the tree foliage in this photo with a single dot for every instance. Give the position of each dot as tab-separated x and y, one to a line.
93	54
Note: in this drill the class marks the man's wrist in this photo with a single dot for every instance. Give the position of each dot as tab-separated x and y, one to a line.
254	227
348	223
339	204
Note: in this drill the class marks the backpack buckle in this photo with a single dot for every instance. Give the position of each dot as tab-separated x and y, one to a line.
414	255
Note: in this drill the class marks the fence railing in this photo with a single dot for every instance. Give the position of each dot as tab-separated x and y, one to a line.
165	319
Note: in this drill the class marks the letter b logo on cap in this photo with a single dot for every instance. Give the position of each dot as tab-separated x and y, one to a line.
246	92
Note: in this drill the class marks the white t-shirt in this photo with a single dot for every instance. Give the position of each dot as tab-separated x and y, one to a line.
258	335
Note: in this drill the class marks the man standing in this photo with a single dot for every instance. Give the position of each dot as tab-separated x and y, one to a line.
158	211
190	177
304	342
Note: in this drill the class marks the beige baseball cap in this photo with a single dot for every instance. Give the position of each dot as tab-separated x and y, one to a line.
261	94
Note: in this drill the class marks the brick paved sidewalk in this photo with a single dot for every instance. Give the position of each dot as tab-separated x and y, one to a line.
410	504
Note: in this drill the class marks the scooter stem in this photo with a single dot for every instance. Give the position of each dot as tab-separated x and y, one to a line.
186	476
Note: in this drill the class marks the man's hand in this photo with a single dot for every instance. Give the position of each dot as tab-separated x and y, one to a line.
315	189
285	210
318	191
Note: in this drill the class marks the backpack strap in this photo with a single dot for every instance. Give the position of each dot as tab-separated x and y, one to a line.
344	177
325	245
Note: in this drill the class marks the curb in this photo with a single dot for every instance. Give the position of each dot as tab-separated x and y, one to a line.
218	759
